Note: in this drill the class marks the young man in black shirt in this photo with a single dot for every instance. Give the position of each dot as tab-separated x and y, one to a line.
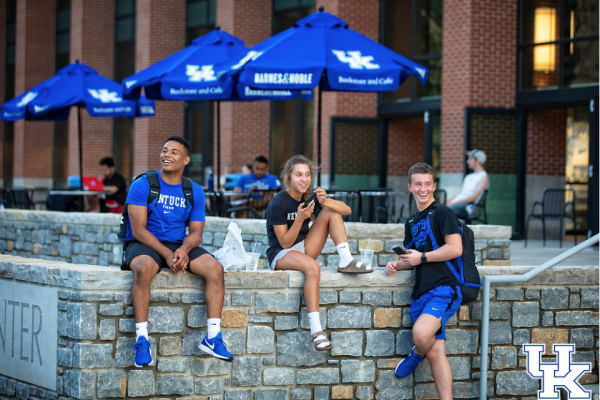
115	184
436	295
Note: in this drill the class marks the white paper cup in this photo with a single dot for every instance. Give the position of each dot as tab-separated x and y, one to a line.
253	266
366	256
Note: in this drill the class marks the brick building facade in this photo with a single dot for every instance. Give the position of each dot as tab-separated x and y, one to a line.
481	50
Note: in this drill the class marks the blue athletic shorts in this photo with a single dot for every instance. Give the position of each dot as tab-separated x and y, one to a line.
442	301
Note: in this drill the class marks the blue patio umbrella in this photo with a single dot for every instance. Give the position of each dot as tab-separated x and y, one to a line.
189	75
74	85
320	50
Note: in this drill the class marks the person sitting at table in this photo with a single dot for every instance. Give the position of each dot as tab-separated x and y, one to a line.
259	179
114	185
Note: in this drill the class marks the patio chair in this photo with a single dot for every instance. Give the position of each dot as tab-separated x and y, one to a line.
554	206
377	205
215	204
19	198
479	212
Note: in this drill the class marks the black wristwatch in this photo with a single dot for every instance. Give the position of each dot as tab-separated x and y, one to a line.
423	258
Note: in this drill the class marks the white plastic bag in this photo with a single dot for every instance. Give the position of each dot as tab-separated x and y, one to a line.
232	255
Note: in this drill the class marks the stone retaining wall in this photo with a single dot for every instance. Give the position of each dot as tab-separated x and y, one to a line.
84	238
265	326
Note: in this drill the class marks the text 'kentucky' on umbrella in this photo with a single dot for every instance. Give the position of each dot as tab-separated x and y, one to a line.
321	50
75	85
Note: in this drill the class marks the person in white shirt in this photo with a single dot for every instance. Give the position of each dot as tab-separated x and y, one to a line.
473	186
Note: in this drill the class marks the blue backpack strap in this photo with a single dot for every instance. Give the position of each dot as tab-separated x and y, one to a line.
458	276
154	191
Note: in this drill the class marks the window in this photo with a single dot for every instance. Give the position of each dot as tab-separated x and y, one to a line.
124	67
413	28
199	115
9	91
292	120
558	44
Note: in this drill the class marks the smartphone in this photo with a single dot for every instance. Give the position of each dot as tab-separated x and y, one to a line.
399	250
311	199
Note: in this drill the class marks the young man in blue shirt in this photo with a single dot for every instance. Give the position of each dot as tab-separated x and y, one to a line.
259	178
436	295
159	240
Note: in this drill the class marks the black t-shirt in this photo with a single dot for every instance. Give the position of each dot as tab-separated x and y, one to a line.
121	195
443	222
282	211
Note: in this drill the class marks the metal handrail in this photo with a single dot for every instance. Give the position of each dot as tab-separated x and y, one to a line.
485	296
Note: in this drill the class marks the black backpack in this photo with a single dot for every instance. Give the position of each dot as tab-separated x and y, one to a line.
153	196
467	274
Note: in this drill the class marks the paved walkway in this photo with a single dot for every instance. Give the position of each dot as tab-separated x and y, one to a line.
535	254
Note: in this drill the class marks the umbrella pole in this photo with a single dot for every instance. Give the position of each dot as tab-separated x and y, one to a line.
80	151
319	135
218	144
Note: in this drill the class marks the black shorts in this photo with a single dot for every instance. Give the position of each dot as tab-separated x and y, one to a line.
134	248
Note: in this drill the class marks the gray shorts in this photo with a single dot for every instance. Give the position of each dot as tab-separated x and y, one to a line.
298	247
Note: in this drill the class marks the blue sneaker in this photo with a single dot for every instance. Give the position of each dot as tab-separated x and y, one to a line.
408	365
216	347
142	353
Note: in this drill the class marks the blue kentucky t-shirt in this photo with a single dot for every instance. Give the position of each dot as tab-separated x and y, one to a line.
250	181
167	222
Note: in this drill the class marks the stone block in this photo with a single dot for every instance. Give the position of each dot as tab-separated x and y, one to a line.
402	297
387	318
463	313
295	349
125	354
259	339
140	383
278	376
286	323
576	318
504	357
358	371
500	332
165	320
7	386
111	310
389	387
86	355
174	297
582	338
521	337
208	386
270	394
364	393
241	298
549	337
341	392
347	343
574	300
209	367
498	311
173	384
193	297
322	393
349	317
246	371
554	299
547	318
404	342
268	360
172	365
374	244
169	346
23	391
407	321
234	318
377	297
379	343
301	394
517	383
532	294
318	376
234	340
510	294
81	321
126	325
237	395
111	383
350	296
305	323
107	329
525	314
469	390
460	341
79	384
277	302
386	258
499	243
589	298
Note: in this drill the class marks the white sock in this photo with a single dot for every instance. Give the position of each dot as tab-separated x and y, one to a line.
315	326
141	329
214	327
343	250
